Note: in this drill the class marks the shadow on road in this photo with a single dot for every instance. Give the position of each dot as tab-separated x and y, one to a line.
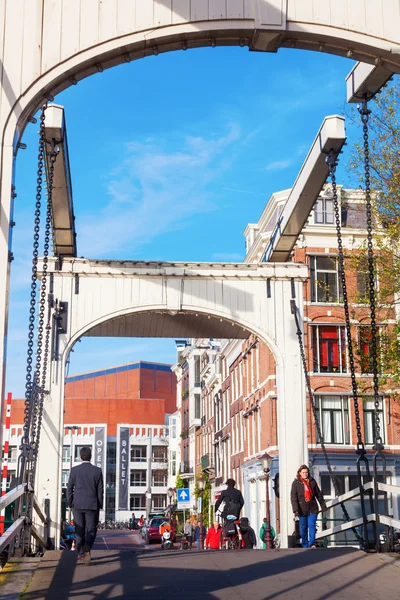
317	575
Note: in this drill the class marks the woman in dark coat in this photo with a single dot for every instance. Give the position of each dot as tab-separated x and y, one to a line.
304	495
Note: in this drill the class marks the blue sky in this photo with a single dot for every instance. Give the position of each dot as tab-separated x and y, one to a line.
171	156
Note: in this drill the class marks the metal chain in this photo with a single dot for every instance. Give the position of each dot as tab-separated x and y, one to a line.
299	334
43	290
364	113
29	385
332	161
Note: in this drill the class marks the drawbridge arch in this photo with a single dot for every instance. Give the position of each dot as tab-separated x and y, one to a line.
48	45
110	298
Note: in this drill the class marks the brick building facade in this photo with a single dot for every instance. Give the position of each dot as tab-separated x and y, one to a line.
239	396
112	410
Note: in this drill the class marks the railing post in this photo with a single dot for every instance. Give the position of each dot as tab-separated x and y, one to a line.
46	526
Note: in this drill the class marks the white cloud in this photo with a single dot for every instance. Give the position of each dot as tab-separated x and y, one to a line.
279	165
155	190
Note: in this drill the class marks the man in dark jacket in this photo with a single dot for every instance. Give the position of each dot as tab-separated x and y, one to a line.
304	495
85	493
233	500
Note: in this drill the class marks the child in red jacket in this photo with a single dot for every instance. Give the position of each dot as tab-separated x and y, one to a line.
213	537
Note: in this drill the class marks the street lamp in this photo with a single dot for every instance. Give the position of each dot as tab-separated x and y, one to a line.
268	537
200	487
170	494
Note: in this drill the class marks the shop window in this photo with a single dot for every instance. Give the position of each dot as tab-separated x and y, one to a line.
329	349
325	282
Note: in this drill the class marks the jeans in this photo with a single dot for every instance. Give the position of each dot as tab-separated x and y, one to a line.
86	522
308	526
198	544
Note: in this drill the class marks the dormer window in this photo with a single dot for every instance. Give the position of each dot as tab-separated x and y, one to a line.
323	211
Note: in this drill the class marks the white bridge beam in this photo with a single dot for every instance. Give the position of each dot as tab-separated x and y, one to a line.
306	190
64	235
366	80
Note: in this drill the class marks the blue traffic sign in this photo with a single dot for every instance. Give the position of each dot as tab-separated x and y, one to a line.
183	495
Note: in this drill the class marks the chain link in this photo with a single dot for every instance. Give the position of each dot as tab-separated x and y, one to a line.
332	161
364	113
43	290
29	384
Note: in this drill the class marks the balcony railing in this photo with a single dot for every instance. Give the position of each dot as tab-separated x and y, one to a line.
207	461
186	468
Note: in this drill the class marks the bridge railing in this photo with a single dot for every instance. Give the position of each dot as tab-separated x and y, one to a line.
371	517
39	530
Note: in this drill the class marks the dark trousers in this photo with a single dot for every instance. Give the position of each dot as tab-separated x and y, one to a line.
86	522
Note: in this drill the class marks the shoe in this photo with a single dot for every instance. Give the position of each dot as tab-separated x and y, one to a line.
87	558
313	546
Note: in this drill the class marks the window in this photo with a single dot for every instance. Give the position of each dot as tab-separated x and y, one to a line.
327	487
173	462
323	211
66	453
329	349
138	478
137	502
333	418
159	501
370	420
325	283
77	450
173	428
12	454
365	348
159	454
197	369
64	478
11	476
138	454
362	287
197	406
159	478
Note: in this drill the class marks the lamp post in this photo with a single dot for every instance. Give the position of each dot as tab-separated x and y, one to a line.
268	537
170	494
200	487
71	428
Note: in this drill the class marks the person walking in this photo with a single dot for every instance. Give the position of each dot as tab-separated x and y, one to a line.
85	493
249	539
188	532
196	534
214	537
304	495
233	500
263	533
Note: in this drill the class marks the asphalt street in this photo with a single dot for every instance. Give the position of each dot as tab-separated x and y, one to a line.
125	568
